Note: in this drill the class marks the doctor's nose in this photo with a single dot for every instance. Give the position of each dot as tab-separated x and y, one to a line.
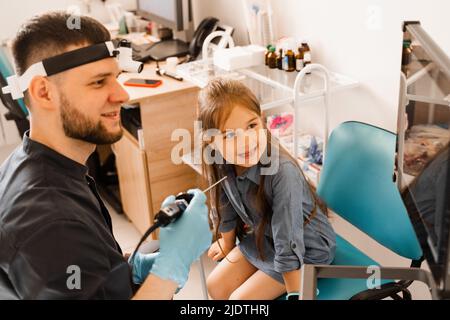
118	94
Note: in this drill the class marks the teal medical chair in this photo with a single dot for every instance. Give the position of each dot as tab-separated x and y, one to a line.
357	183
17	110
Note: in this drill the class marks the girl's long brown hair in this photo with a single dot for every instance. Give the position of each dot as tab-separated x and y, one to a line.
216	101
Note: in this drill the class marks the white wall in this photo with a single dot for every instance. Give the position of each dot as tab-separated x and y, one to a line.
14	13
228	11
342	37
338	33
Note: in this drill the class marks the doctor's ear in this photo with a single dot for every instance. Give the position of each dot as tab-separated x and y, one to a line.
42	93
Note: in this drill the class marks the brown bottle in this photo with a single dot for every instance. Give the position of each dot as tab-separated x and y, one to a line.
289	64
280	60
272	58
306	54
267	54
299	59
406	56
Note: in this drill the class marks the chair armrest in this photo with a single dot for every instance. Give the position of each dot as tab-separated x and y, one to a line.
310	274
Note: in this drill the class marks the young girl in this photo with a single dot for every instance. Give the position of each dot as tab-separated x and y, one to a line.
278	219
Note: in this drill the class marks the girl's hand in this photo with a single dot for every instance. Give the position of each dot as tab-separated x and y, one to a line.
215	253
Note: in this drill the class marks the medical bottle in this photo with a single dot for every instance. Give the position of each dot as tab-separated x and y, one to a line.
406	56
299	59
289	61
306	54
280	59
272	58
284	61
267	54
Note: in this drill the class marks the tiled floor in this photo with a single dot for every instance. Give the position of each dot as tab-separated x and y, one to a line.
128	237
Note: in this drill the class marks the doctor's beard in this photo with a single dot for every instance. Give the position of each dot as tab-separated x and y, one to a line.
78	126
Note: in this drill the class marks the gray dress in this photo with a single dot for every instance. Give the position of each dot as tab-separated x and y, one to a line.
287	243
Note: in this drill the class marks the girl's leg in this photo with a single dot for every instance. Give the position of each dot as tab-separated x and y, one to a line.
259	286
226	276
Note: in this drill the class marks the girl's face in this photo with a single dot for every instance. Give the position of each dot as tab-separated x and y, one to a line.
243	139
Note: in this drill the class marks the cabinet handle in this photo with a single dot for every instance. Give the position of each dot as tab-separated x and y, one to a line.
141	142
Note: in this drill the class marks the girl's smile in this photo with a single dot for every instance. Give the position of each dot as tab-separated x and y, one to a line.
244	138
248	154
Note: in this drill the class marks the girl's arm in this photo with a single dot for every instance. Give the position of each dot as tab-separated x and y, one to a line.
287	224
227	242
292	281
229	238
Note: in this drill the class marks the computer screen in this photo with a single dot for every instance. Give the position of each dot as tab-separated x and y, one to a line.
425	124
174	14
427	202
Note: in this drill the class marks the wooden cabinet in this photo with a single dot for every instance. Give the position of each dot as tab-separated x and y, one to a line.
147	174
134	185
163	115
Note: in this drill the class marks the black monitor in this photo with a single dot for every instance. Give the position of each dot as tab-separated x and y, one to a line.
424	137
174	14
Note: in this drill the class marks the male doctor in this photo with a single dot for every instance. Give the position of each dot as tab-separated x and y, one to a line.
53	223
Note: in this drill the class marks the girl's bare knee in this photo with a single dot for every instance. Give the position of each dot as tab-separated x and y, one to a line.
216	287
235	295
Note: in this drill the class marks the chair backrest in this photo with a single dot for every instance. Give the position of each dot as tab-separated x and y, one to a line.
15	107
357	183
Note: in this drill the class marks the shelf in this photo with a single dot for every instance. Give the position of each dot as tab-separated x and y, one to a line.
312	87
425	81
272	87
423	114
427	86
269	94
417	70
311	170
200	72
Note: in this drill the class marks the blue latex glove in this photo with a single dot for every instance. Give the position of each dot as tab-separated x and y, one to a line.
142	265
184	241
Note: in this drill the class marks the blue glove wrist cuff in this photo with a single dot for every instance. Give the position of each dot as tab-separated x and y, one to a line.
141	266
168	269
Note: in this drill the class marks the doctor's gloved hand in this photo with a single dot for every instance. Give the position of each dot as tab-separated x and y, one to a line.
141	266
183	241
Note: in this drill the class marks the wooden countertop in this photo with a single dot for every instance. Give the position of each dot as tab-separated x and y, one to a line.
168	85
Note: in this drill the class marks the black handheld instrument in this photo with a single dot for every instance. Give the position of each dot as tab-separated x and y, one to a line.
170	213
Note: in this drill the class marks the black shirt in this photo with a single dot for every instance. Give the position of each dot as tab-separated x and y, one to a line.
56	239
